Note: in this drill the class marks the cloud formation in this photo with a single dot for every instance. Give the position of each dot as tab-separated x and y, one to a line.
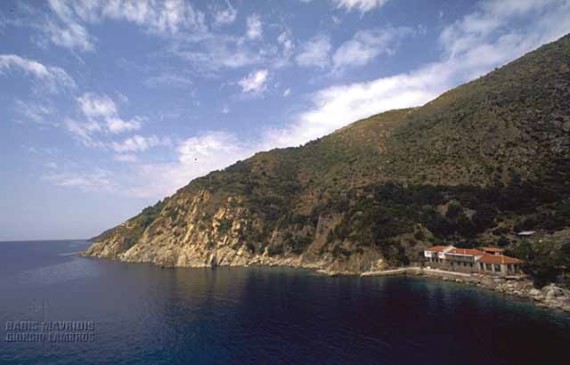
166	17
138	143
362	5
53	78
315	52
367	45
99	114
254	27
98	180
255	82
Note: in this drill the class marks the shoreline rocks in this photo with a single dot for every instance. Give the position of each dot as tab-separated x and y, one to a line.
550	296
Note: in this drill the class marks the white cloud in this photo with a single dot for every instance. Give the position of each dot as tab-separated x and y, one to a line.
99	114
99	180
286	42
83	130
212	53
254	27
287	92
167	17
315	52
362	5
35	112
367	45
255	82
71	35
225	16
337	106
53	78
472	30
101	110
196	157
138	143
207	146
118	125
363	47
97	106
501	31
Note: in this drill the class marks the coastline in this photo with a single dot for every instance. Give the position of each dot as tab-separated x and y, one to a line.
550	296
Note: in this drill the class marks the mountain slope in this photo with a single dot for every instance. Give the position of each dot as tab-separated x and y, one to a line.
479	162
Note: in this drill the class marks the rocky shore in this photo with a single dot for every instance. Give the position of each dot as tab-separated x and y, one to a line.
550	296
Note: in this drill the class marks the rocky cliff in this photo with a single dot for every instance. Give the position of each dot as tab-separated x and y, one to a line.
473	166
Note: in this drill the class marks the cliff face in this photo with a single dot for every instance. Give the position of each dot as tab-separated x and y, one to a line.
183	235
478	163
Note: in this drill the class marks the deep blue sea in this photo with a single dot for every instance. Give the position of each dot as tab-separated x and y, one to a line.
142	314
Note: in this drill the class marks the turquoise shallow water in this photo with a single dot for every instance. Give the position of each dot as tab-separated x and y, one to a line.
142	314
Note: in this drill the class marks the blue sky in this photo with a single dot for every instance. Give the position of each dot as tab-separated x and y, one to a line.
107	106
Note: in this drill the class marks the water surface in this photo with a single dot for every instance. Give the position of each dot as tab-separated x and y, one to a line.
143	314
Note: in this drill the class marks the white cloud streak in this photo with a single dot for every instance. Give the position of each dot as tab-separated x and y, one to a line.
139	143
169	17
35	112
99	114
367	45
97	181
52	78
362	5
212	53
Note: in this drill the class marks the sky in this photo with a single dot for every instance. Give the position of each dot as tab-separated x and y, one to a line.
107	106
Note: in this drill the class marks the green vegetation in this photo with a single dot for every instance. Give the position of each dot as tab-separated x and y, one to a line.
546	260
225	226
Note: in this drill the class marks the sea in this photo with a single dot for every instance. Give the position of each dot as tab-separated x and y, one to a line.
59	308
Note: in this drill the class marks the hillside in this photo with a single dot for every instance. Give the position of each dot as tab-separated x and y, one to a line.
475	165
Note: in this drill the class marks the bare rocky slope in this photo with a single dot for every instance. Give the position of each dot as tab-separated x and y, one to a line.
475	165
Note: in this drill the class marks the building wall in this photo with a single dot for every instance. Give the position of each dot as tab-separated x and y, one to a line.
459	266
466	266
499	269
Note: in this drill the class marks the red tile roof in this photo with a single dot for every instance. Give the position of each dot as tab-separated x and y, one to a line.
436	248
499	259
